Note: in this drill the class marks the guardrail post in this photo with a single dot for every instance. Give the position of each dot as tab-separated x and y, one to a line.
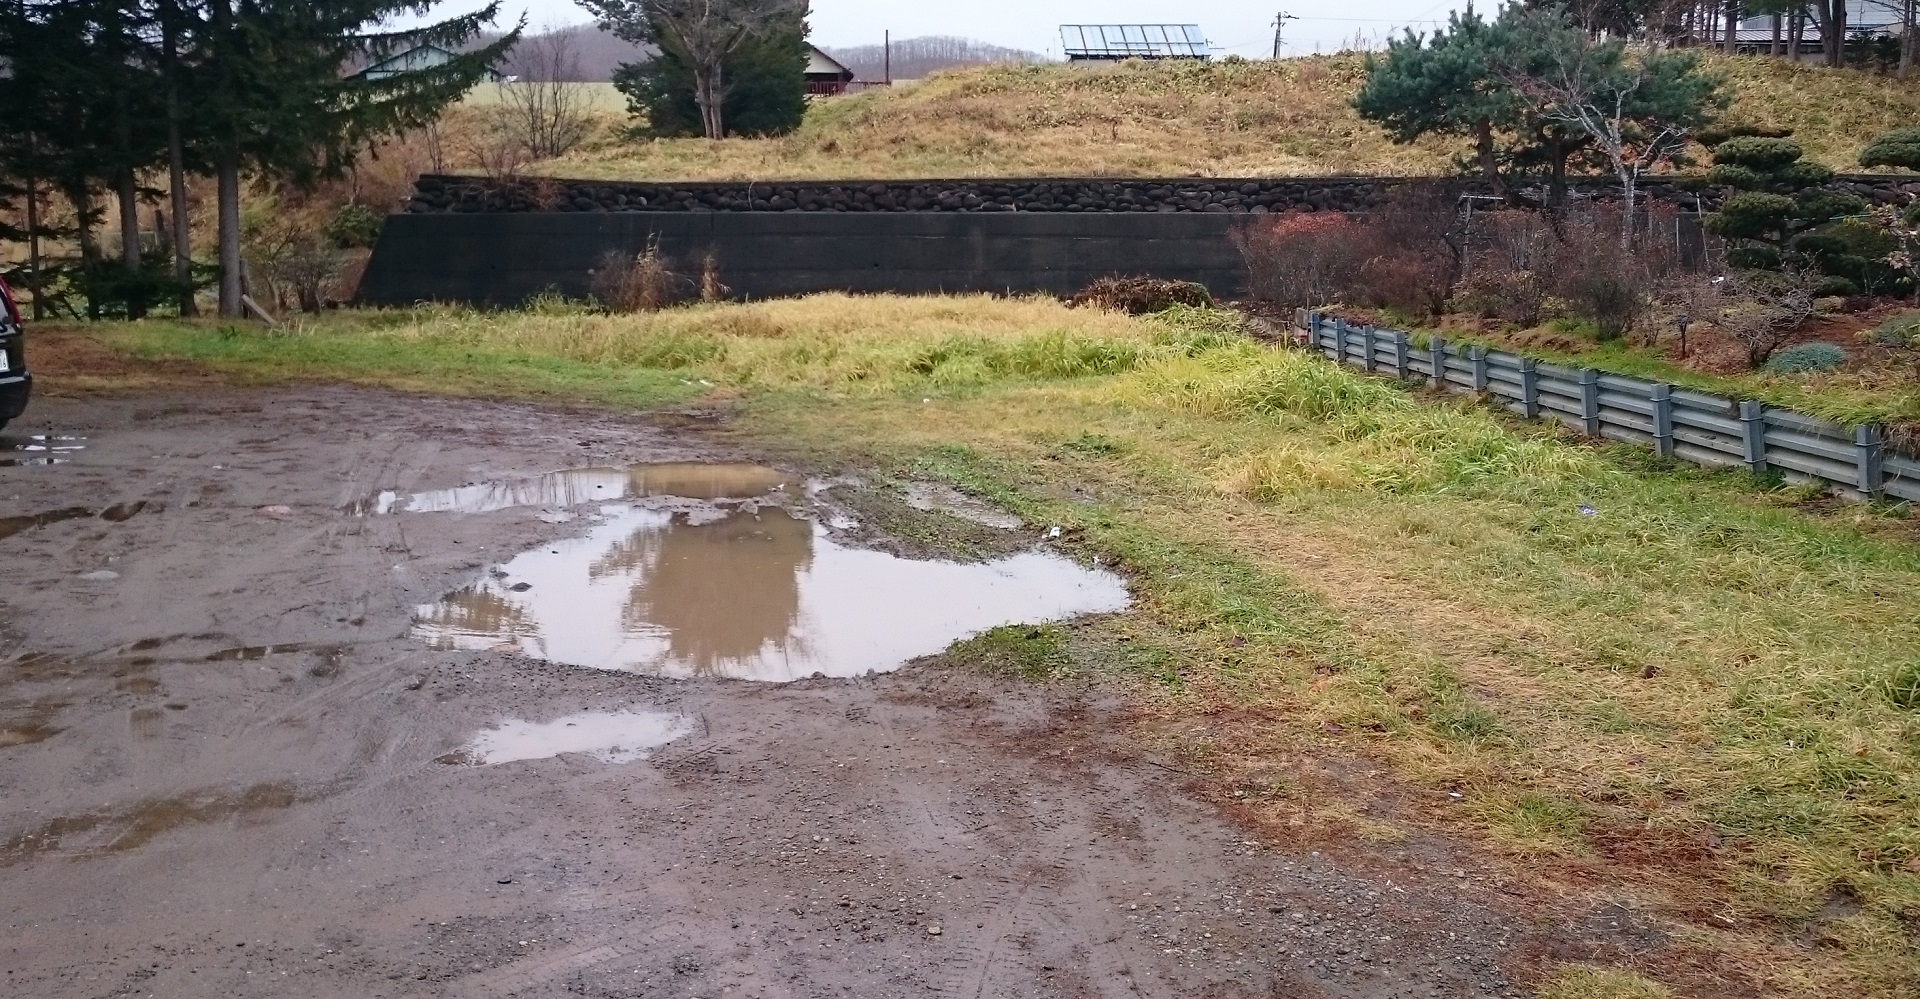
1529	389
1663	420
1402	363
1437	349
1340	339
1753	435
1481	377
1368	334
1867	447
1590	402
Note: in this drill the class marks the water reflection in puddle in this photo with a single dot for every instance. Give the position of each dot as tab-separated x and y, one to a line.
41	449
588	485
609	736
759	596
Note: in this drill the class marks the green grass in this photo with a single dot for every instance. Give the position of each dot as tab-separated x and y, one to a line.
1698	696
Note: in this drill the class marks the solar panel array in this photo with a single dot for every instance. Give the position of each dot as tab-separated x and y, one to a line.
1133	41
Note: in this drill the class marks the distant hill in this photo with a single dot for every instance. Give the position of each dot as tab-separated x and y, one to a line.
1173	119
916	58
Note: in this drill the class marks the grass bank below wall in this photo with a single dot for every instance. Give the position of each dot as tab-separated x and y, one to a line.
1363	614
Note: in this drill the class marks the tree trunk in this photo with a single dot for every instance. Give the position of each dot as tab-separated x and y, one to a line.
1906	40
1489	164
1774	48
229	183
177	169
33	248
182	230
81	198
129	196
1732	41
1833	31
707	94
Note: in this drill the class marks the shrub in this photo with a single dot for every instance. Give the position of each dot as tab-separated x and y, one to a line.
1900	330
1301	259
1514	267
1414	249
1140	296
1807	358
642	283
354	226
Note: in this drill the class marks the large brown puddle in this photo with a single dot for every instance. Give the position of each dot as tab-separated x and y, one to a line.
746	592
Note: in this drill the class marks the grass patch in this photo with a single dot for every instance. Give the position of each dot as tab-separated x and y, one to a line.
1683	687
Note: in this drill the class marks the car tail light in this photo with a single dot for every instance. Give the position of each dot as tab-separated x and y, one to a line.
12	307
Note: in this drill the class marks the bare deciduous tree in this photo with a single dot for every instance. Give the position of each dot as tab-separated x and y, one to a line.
1761	309
544	108
1640	107
706	32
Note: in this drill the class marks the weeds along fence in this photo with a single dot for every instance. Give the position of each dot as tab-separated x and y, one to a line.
1692	426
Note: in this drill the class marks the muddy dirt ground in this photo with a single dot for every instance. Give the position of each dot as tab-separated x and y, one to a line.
223	767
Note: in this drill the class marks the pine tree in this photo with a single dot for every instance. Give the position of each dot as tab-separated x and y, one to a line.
768	94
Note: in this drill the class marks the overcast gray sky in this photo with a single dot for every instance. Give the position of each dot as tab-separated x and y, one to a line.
1235	26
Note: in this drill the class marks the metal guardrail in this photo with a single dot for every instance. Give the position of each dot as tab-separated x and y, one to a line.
1679	423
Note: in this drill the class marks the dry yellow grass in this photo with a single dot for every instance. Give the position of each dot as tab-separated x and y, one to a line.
1227	119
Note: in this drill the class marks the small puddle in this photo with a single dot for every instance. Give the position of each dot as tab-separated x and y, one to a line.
119	513
687	480
608	736
755	595
10	526
43	449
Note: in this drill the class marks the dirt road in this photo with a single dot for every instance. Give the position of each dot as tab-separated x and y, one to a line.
229	767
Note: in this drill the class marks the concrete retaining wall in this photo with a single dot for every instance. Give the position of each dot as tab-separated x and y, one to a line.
502	259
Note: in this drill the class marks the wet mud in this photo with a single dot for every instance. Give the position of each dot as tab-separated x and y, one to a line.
238	768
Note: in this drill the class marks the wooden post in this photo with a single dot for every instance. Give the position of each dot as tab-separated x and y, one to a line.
1529	389
1663	420
1867	448
1437	348
1481	377
1753	435
1590	402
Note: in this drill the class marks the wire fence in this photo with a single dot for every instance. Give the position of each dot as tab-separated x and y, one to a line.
1695	427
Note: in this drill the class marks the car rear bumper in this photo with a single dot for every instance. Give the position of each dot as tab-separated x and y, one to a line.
14	390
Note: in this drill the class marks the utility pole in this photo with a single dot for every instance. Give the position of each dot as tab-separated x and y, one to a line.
887	45
1279	25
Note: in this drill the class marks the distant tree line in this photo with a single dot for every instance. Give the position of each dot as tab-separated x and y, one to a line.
1890	43
917	58
99	96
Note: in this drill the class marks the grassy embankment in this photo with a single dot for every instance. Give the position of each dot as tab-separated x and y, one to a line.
1283	118
1362	615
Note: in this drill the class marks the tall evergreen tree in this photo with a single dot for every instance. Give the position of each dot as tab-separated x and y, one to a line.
768	95
275	99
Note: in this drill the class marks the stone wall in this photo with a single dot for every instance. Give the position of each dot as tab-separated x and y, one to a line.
437	194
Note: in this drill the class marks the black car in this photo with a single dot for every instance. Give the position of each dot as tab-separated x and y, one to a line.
15	383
